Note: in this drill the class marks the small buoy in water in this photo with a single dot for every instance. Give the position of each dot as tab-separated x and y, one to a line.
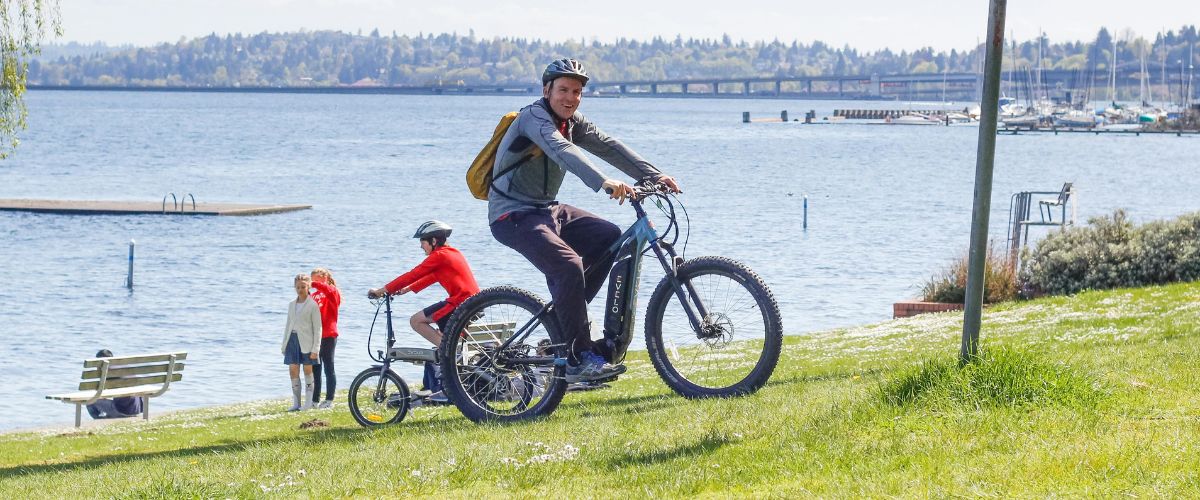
789	194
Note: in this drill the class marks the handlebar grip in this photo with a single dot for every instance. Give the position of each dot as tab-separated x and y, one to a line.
608	190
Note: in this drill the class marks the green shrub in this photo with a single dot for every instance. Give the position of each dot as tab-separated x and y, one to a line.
950	284
1112	252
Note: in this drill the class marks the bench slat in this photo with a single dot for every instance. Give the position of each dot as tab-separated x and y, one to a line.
134	360
133	370
490	331
114	393
128	382
491	326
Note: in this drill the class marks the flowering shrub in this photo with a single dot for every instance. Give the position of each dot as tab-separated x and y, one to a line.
1111	252
950	284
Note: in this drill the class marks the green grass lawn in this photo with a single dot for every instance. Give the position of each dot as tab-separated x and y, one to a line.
1091	395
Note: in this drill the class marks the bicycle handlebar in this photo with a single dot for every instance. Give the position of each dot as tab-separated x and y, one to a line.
643	189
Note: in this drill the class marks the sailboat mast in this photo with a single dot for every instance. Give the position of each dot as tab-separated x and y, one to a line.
1012	55
1038	75
1112	70
1166	85
1142	87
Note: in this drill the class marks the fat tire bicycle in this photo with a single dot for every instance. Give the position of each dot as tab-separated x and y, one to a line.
713	328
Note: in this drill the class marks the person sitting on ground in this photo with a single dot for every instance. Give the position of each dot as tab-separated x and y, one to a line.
302	341
115	407
558	239
446	266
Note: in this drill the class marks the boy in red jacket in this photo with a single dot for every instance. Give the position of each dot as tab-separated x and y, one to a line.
446	266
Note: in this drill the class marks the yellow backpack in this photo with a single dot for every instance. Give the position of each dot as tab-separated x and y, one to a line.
479	176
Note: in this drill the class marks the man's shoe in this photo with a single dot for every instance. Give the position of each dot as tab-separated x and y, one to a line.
591	367
325	404
587	386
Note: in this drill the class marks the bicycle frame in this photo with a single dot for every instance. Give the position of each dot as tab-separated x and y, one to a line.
392	353
632	242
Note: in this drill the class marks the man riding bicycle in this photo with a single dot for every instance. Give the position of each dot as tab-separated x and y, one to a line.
558	239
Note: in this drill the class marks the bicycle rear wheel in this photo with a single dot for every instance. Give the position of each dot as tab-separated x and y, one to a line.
377	400
516	383
740	336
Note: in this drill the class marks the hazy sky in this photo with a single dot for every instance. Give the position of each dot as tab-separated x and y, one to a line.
863	24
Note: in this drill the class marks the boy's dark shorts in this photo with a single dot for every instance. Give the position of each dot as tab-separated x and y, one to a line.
433	308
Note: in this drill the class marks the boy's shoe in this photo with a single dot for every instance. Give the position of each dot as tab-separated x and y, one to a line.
306	406
294	408
325	404
591	367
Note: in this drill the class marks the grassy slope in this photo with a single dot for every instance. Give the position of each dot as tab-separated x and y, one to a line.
823	426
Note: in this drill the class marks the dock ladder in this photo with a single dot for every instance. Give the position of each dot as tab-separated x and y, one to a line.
178	205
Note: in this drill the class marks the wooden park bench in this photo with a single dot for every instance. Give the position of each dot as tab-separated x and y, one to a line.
143	376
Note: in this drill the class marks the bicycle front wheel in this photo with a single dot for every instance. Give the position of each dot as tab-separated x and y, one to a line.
490	382
378	397
737	345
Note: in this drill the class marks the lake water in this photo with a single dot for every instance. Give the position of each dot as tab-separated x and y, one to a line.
888	205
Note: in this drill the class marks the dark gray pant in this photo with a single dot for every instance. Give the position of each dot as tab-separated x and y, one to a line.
328	344
561	241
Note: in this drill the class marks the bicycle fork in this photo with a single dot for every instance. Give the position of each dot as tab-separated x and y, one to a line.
682	289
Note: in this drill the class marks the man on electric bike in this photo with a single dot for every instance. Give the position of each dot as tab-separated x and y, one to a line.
446	266
558	239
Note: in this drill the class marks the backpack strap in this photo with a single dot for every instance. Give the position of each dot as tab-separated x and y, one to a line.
508	170
544	104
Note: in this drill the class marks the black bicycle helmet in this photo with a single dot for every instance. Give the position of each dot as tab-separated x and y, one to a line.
433	229
565	67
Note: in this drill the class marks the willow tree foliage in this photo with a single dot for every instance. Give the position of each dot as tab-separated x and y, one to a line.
23	26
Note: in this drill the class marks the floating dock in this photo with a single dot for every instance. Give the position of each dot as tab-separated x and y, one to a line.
86	207
880	114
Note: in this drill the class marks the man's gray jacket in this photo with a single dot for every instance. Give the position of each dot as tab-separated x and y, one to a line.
534	181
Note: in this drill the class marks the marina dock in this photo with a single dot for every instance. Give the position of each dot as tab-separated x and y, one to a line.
92	207
1096	131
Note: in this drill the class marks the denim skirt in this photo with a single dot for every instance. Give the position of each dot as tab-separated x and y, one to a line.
292	354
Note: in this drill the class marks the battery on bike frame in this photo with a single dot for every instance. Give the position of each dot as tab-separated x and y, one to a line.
618	309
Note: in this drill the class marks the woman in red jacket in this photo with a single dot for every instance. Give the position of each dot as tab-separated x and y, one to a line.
329	299
446	266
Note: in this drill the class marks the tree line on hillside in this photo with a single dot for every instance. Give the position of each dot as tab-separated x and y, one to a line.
330	58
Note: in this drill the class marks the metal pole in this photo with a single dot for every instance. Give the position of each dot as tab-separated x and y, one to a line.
805	212
129	277
984	162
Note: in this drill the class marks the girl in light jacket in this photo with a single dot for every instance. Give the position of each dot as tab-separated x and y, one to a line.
302	341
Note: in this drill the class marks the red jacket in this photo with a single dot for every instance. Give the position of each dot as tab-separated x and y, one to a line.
329	299
446	266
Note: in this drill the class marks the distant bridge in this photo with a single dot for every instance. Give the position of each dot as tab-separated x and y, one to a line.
847	86
908	86
917	86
